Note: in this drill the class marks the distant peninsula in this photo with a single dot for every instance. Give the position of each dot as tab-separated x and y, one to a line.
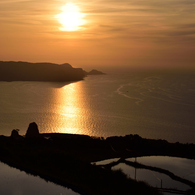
26	71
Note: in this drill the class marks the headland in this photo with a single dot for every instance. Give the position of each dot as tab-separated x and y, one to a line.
26	71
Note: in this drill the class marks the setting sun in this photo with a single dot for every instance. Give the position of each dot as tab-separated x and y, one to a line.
70	18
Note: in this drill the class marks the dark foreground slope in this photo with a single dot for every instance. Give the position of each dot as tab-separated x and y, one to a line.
68	159
58	160
25	71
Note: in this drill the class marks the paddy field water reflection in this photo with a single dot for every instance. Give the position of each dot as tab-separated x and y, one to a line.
184	168
15	182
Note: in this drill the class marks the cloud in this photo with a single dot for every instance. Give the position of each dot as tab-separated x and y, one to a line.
26	15
144	19
182	33
185	31
187	26
135	19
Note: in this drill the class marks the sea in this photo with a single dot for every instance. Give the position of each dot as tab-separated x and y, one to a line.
153	104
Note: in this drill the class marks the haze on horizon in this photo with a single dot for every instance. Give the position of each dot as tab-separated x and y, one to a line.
112	33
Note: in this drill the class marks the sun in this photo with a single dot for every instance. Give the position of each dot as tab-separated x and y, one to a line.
70	18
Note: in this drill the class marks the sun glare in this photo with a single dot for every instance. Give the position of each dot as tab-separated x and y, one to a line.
70	18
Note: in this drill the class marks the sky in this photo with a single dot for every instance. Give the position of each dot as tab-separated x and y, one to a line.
110	33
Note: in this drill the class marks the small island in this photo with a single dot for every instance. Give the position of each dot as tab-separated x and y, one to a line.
69	159
95	72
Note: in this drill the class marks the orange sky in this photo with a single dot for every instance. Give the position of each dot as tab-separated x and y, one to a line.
126	33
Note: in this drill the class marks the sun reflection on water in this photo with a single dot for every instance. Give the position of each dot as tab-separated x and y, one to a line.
69	99
69	107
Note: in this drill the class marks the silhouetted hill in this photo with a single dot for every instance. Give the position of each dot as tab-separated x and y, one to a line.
25	71
66	159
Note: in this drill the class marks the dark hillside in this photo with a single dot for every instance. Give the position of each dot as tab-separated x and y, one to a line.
25	71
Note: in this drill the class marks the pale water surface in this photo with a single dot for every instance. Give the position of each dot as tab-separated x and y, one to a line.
184	168
16	182
156	105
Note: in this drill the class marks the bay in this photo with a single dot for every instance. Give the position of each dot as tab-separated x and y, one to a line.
157	105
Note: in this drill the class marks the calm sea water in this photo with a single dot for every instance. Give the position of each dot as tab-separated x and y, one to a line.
158	105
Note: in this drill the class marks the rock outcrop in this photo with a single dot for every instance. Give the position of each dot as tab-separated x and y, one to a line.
15	135
32	131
